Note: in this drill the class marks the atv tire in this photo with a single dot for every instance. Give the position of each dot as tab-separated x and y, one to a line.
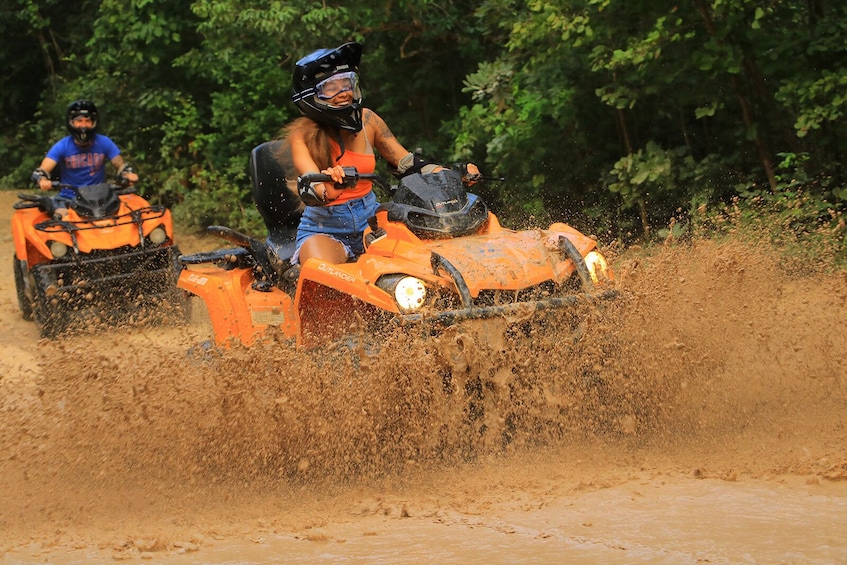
49	316
24	301
180	298
46	318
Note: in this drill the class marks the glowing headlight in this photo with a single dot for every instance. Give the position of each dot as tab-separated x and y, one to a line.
410	293
158	235
58	249
597	267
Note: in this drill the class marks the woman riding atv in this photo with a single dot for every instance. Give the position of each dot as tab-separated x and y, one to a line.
336	131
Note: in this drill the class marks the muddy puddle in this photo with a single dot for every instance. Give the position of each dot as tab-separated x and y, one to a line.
698	418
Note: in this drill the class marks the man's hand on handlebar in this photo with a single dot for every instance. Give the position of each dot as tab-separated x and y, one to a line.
127	176
41	179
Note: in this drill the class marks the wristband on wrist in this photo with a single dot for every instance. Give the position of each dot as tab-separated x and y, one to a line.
39	174
413	163
309	193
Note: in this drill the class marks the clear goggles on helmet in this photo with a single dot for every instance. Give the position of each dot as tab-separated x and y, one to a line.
85	116
337	84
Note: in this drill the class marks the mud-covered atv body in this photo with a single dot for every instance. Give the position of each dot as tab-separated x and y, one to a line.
434	255
111	255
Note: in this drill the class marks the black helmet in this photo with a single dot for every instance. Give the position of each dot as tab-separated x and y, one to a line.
82	108
311	74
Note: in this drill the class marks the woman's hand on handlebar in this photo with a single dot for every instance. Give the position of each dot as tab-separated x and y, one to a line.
340	181
336	172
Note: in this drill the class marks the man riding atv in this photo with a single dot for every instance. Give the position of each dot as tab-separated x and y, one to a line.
98	252
81	156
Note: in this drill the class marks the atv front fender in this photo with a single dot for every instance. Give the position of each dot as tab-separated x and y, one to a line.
238	312
25	237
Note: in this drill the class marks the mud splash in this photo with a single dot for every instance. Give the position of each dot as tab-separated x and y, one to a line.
715	363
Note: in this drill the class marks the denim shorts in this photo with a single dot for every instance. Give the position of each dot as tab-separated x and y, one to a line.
344	223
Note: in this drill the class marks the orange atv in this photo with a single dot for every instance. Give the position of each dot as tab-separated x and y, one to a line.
434	255
111	255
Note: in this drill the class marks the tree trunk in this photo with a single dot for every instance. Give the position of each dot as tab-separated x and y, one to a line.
746	106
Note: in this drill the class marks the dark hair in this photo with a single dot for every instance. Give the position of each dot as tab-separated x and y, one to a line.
315	135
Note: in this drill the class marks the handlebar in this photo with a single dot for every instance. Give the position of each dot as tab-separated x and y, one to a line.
353	176
350	173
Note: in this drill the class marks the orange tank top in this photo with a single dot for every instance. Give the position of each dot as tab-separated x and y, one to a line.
364	163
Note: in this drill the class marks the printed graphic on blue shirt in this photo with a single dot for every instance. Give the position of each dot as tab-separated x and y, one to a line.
81	166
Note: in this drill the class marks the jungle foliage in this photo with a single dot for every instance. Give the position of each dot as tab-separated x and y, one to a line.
620	116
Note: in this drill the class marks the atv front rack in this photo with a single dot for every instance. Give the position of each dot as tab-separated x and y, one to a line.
138	216
112	277
451	317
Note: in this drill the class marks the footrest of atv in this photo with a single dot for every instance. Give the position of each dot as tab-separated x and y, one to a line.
230	255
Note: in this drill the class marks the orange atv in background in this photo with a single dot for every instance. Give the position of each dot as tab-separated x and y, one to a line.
111	256
434	255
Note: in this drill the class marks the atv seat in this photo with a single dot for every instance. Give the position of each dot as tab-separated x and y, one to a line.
279	205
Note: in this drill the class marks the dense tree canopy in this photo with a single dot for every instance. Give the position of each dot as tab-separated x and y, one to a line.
617	115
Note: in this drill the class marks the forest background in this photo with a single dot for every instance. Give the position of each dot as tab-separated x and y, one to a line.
630	119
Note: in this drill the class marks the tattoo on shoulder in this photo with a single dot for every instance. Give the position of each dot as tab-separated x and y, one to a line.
384	132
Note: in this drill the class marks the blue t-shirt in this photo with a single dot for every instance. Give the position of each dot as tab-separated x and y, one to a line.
82	166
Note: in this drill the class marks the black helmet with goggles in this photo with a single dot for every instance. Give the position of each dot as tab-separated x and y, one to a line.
321	80
82	109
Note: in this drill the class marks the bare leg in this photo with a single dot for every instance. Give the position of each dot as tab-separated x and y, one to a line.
323	247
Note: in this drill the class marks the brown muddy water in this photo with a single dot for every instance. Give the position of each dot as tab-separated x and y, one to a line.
699	418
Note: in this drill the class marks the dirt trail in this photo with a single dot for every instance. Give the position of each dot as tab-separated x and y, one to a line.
699	418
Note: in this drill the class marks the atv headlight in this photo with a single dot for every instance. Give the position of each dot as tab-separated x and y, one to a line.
58	249
597	267
410	293
158	235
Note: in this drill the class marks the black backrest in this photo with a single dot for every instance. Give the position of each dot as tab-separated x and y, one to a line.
279	206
